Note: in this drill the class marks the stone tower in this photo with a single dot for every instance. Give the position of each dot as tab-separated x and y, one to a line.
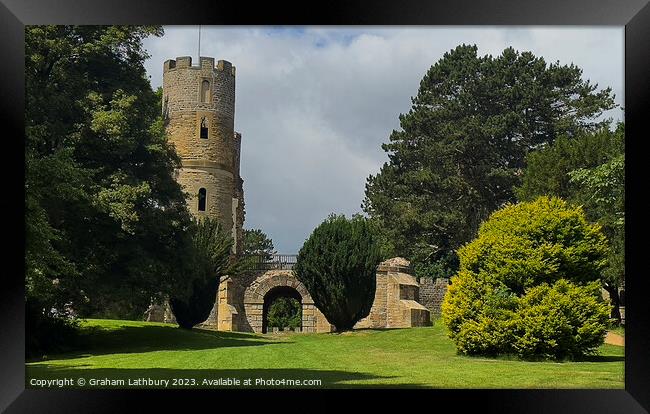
199	112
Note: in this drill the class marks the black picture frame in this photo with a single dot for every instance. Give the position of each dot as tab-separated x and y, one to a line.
633	14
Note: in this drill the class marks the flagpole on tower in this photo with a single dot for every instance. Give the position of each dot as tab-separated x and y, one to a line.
199	44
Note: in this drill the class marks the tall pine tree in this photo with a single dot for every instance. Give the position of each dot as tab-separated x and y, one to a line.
462	147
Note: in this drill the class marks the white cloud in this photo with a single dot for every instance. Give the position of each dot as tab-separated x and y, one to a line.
315	104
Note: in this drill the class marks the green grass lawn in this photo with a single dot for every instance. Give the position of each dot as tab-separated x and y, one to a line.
415	357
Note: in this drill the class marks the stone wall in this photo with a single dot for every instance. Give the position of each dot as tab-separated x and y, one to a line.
432	293
229	311
218	186
159	312
239	211
183	109
240	301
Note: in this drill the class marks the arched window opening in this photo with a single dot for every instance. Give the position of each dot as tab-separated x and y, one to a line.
205	91
202	197
204	128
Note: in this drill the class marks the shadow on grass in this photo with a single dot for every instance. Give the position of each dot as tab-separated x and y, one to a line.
600	358
328	378
136	339
517	358
372	330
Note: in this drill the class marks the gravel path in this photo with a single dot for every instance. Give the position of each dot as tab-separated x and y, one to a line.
614	339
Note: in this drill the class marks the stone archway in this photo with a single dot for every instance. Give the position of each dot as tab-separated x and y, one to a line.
271	296
312	319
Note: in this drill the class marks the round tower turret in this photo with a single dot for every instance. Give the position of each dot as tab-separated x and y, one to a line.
199	111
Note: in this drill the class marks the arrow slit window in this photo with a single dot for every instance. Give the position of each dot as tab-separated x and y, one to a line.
204	128
202	197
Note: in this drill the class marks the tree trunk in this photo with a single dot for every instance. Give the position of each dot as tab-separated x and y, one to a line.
615	301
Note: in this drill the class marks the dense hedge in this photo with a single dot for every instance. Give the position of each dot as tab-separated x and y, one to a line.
526	284
338	265
206	261
46	332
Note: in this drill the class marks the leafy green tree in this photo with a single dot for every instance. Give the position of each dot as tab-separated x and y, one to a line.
588	170
547	169
463	145
285	312
104	215
338	265
206	261
601	191
528	284
256	242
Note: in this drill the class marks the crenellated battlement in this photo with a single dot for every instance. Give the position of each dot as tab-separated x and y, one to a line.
206	88
185	62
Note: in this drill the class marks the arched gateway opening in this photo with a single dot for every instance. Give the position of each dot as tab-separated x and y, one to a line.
278	311
269	286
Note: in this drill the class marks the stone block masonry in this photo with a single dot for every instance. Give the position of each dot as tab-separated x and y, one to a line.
218	185
199	112
245	298
432	293
396	298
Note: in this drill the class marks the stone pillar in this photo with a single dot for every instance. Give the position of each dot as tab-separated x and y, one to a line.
226	312
396	298
308	318
254	315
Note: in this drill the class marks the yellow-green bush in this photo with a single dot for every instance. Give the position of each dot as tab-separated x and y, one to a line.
524	284
525	244
479	315
562	320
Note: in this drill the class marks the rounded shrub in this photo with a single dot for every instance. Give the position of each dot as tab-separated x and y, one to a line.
560	320
529	261
526	244
479	315
338	266
207	259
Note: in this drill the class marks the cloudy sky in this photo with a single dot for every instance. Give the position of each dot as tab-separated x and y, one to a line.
314	104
